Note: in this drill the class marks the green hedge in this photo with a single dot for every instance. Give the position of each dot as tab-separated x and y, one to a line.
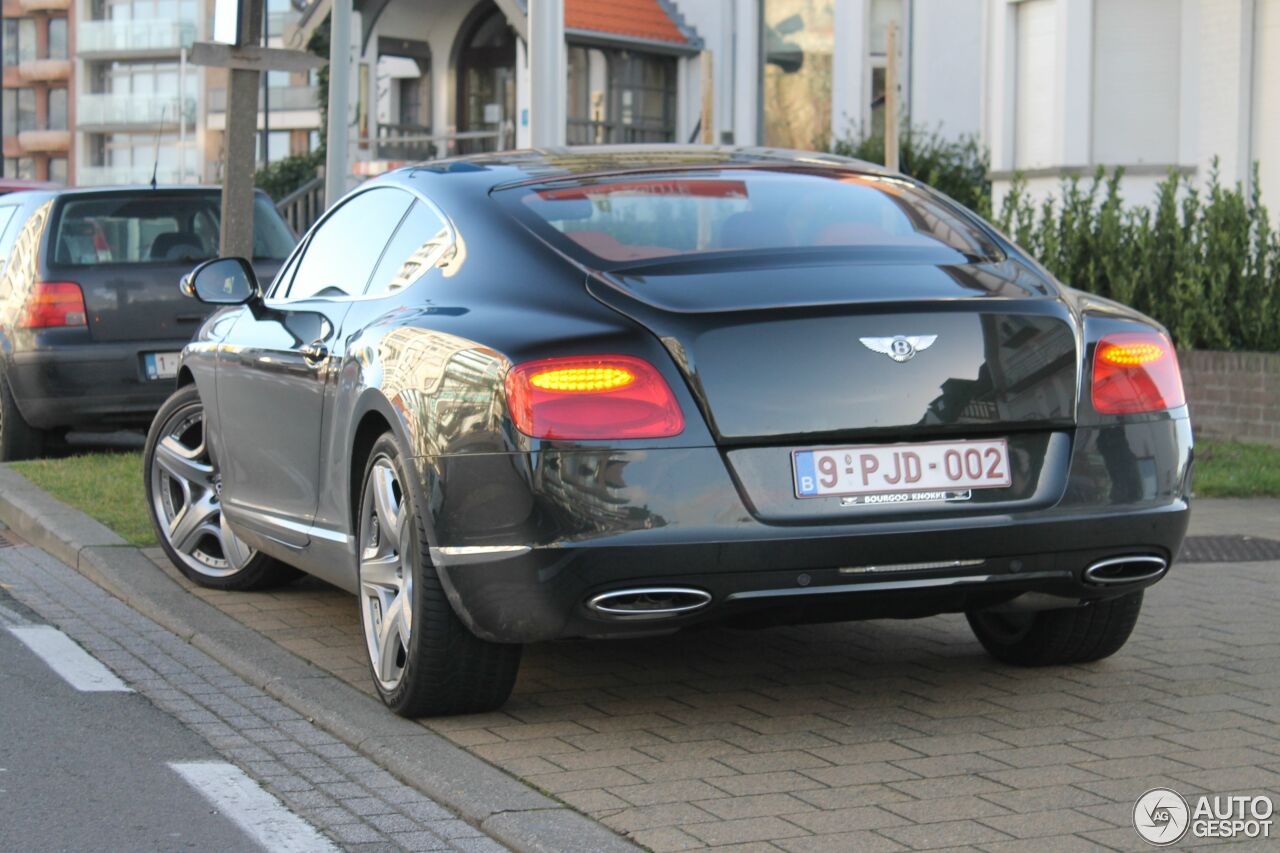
1204	262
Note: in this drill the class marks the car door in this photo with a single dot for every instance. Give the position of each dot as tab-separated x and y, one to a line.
273	371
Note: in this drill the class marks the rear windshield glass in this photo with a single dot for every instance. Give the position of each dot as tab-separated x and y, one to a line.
157	229
629	219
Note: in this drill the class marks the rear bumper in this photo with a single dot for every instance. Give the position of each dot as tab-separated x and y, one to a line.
532	538
89	385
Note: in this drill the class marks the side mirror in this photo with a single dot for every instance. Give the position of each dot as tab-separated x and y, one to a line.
222	281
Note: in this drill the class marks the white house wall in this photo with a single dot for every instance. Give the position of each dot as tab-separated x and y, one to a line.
1136	91
1266	102
946	65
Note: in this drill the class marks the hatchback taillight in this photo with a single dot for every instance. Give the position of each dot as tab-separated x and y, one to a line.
592	397
53	304
1136	372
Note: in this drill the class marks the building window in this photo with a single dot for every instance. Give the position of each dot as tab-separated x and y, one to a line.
277	144
57	109
57	38
620	96
19	40
58	170
19	110
798	40
23	168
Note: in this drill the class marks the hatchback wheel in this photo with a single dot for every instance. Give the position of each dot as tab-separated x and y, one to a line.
424	661
184	496
1054	637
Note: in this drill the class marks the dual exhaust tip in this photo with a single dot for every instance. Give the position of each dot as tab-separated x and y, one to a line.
653	602
1131	568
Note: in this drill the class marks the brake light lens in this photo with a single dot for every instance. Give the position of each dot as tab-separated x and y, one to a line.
54	304
1136	372
591	398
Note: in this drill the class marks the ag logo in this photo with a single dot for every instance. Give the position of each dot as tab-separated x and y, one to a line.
1161	816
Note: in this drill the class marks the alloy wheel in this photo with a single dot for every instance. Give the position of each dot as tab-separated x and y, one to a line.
186	495
386	574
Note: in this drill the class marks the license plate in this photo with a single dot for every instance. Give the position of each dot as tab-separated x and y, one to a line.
940	466
162	365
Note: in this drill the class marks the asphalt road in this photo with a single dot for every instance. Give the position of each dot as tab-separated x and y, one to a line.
90	770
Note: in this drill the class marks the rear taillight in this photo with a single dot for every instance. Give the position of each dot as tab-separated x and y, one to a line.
1136	372
592	397
53	304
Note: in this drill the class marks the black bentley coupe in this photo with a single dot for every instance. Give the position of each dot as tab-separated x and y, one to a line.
618	391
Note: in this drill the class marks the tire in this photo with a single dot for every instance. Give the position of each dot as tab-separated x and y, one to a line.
1056	637
423	660
18	439
181	477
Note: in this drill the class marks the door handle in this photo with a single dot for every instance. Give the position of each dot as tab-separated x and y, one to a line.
314	352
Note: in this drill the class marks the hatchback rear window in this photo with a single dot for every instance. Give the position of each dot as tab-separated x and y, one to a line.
157	229
627	219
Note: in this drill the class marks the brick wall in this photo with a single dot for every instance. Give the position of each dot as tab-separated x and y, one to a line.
1233	395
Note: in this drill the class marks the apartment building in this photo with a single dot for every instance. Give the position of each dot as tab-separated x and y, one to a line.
288	104
38	97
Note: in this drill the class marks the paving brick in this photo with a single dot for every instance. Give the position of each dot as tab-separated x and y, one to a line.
1045	824
863	842
945	809
684	791
746	829
945	834
758	805
837	821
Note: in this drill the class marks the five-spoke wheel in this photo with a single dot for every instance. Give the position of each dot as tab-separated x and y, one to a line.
386	575
184	492
423	659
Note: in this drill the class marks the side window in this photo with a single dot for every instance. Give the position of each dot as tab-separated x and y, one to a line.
413	250
343	251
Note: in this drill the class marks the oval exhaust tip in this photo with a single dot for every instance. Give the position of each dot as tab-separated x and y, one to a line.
1128	569
657	602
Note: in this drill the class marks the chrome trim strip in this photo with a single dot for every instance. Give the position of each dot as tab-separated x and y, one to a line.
458	555
911	567
883	586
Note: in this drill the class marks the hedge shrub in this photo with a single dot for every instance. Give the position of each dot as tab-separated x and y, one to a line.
1204	262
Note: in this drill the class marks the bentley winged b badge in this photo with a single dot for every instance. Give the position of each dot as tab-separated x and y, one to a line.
899	347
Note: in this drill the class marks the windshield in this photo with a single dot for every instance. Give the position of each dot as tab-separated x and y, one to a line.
154	228
625	219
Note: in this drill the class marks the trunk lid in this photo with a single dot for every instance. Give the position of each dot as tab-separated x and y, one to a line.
793	350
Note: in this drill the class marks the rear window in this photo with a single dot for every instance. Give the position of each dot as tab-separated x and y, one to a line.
157	229
626	219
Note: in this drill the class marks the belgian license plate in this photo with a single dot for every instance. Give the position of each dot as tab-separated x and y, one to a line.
945	468
162	365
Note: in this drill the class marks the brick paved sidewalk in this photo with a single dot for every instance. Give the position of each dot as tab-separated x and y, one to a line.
362	806
871	736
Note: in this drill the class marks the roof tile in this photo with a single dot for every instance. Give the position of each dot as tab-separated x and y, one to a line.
644	19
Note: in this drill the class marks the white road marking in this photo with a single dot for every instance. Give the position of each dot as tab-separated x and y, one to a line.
77	667
259	814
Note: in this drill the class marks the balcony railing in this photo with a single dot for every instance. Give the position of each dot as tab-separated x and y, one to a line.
279	98
137	36
112	110
97	176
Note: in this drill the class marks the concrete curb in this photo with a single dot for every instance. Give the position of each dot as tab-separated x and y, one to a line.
498	804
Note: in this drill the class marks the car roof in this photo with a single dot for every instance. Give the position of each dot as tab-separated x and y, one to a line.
510	168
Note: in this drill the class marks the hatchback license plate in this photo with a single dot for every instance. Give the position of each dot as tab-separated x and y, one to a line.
901	468
162	365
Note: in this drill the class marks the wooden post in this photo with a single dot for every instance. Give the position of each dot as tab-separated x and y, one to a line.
238	161
891	100
708	100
